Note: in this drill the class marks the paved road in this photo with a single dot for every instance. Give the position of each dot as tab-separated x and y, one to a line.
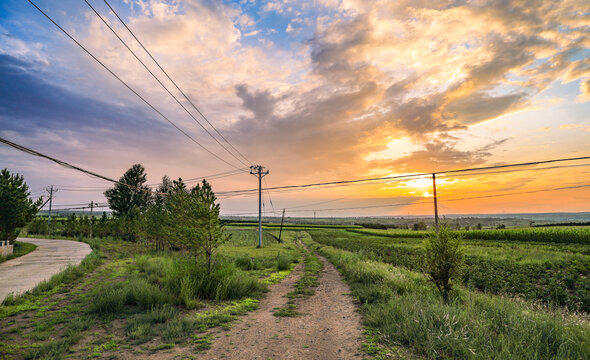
51	256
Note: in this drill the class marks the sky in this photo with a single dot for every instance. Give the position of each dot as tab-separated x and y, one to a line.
315	91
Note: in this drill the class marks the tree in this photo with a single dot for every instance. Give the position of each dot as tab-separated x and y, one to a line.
194	223
130	195
155	218
443	259
17	208
163	189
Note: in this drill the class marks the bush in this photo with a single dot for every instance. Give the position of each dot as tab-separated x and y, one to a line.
420	226
283	262
443	257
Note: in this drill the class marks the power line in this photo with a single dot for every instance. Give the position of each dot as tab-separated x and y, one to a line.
60	162
173	82
405	177
65	164
128	86
160	82
101	188
268	194
81	208
428	202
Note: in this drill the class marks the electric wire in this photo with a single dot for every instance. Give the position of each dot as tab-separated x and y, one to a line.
57	161
405	177
440	199
67	165
173	82
129	87
161	84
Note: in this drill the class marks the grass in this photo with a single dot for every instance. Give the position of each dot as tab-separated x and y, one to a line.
20	248
557	274
304	287
403	308
125	294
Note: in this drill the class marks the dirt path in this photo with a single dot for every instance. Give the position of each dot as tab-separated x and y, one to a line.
51	256
328	329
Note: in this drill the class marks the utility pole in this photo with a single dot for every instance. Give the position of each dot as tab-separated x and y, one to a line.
258	170
49	218
435	202
281	229
91	217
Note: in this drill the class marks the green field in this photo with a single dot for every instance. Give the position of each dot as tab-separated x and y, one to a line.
523	294
515	302
557	273
127	298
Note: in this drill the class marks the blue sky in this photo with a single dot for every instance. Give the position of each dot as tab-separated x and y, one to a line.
315	91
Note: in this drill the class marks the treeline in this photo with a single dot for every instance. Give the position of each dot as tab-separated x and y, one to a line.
564	224
173	216
79	226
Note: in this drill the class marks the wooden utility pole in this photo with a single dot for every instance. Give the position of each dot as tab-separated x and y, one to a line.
435	202
91	217
281	229
49	218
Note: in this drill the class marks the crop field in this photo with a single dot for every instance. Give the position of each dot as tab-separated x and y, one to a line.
519	299
127	299
557	273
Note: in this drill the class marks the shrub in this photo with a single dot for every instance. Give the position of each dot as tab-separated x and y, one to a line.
443	257
283	261
420	226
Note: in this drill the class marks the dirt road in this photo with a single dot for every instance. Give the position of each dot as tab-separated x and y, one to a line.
329	327
51	256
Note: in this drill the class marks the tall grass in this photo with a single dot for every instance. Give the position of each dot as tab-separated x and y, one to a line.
404	308
188	280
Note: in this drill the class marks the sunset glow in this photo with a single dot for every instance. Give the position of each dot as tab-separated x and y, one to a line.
314	91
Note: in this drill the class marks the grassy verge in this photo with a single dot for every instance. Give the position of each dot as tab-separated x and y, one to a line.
304	287
125	299
403	309
20	249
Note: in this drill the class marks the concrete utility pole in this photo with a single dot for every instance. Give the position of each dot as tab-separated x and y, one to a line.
91	216
435	202
258	170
